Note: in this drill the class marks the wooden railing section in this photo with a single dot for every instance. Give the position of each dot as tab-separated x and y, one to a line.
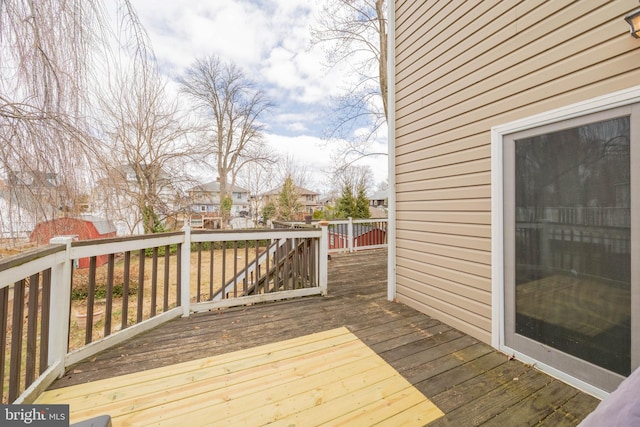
348	235
54	315
25	310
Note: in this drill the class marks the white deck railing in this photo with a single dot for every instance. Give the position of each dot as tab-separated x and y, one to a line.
36	289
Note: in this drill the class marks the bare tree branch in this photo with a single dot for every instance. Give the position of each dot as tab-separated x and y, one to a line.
349	29
232	107
49	63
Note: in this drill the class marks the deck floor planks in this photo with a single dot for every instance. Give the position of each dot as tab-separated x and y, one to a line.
258	386
570	413
457	381
276	354
540	404
496	401
439	375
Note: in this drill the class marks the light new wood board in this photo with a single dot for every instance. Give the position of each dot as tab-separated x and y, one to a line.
327	378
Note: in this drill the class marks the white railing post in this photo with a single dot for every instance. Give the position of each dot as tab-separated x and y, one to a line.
350	234
60	312
324	257
185	273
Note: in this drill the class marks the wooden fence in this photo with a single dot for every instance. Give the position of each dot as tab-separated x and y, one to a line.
349	235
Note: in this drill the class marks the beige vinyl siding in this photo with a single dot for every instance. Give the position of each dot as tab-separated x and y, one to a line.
462	68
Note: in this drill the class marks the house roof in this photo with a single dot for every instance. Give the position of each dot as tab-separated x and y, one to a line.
128	168
379	195
300	190
102	225
214	187
32	178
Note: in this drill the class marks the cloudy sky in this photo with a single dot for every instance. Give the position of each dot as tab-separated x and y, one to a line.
269	39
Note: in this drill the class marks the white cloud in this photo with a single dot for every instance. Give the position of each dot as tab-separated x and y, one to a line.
270	39
297	127
315	154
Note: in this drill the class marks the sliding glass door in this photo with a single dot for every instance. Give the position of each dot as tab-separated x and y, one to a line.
570	245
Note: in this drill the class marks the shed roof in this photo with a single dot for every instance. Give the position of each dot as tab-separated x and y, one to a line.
102	225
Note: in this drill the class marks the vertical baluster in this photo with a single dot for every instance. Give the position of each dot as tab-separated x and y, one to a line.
32	329
154	281
368	235
141	259
235	268
266	271
125	289
44	322
314	262
245	282
224	269
287	265
199	273
301	264
4	311
167	262
276	265
307	260
257	275
178	273
108	309
211	269
91	291
15	363
295	266
302	259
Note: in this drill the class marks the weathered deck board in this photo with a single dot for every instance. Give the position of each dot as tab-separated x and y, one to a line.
468	380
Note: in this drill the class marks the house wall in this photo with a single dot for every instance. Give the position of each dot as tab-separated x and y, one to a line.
461	68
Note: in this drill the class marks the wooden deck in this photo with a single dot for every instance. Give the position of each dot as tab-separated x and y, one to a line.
468	381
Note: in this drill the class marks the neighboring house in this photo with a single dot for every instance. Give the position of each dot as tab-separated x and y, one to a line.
25	199
205	199
116	198
328	201
15	221
514	151
379	199
309	200
81	228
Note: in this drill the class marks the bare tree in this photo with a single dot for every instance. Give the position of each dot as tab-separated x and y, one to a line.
354	176
145	135
258	178
51	57
356	31
233	105
289	167
44	69
148	136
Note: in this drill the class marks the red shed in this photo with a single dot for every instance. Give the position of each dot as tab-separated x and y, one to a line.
83	228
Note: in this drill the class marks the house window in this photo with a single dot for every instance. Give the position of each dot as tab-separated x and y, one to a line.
203	208
568	227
